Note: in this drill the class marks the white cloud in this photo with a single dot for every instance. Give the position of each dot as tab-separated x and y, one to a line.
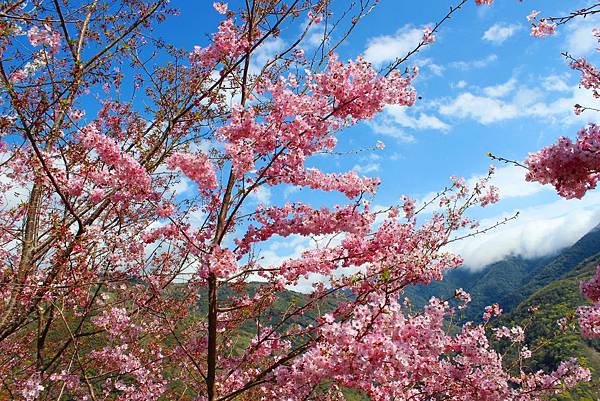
15	193
474	64
556	83
386	48
538	231
261	195
266	52
13	197
197	218
525	97
436	69
395	120
314	36
289	190
428	63
561	109
526	102
366	168
396	156
500	32
388	128
418	121
183	184
483	109
580	40
460	84
501	90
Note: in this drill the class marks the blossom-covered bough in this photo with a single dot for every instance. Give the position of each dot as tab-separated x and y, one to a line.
131	261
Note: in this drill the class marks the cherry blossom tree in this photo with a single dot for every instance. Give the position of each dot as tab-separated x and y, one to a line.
107	258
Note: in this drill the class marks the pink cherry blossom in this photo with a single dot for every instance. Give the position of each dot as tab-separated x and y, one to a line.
409	207
492	311
514	334
115	321
590	76
32	387
533	15
221	7
130	177
543	28
197	167
44	36
462	296
428	36
569	166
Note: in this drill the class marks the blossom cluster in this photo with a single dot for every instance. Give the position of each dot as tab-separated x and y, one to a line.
30	68
227	42
115	321
221	7
589	320
492	311
543	28
148	382
590	76
589	316
44	36
129	178
302	219
197	167
385	362
514	334
428	36
462	296
571	167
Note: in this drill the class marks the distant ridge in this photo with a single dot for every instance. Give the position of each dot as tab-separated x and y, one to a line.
559	299
509	281
586	247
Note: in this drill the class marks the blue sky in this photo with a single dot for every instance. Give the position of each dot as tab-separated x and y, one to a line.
486	86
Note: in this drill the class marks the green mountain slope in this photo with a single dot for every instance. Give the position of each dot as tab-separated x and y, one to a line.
510	281
565	262
554	301
490	285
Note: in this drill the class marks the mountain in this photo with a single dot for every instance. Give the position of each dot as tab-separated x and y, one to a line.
586	247
486	286
550	284
556	300
510	281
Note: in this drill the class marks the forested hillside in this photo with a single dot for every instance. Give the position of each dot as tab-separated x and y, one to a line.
556	342
548	285
510	281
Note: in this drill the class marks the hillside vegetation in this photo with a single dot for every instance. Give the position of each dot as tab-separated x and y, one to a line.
510	281
550	285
